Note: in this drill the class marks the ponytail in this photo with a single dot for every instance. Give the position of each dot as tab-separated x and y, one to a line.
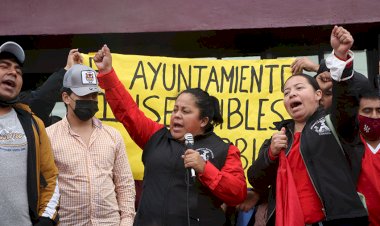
208	107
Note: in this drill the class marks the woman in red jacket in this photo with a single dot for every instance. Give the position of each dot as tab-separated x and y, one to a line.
169	196
304	167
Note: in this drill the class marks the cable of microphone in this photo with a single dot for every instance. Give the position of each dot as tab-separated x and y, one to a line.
189	143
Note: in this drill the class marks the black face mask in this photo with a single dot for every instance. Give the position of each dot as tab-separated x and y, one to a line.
85	109
7	103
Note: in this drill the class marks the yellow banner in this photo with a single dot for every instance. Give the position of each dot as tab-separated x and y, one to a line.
249	92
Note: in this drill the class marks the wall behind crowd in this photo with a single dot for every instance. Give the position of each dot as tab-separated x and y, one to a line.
47	53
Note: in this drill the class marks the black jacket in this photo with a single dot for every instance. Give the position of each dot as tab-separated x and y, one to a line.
164	202
42	100
42	187
333	171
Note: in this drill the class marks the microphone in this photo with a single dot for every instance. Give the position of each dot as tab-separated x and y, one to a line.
189	143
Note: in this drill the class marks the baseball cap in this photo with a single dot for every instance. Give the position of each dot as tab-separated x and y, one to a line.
81	79
14	49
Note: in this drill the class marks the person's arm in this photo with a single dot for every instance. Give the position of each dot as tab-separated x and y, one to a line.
229	183
249	202
43	99
49	192
346	85
124	184
126	111
303	63
345	102
263	171
344	109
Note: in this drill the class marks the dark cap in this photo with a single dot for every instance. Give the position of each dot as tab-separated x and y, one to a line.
14	49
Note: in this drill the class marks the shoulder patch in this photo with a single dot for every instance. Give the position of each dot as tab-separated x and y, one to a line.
321	127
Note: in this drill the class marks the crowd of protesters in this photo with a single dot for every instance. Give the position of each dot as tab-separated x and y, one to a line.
321	166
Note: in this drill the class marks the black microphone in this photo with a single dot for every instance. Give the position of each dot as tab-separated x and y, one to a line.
189	143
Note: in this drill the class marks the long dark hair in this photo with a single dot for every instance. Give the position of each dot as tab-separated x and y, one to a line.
208	106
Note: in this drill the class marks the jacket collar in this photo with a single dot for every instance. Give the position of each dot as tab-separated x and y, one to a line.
289	123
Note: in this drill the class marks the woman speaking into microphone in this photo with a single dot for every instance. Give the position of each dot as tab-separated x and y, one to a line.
169	195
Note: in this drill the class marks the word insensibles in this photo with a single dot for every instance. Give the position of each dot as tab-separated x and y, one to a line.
249	93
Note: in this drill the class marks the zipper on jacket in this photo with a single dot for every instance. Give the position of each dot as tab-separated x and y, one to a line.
271	213
312	182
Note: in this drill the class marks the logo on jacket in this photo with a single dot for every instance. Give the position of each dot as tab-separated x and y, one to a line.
320	127
206	153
